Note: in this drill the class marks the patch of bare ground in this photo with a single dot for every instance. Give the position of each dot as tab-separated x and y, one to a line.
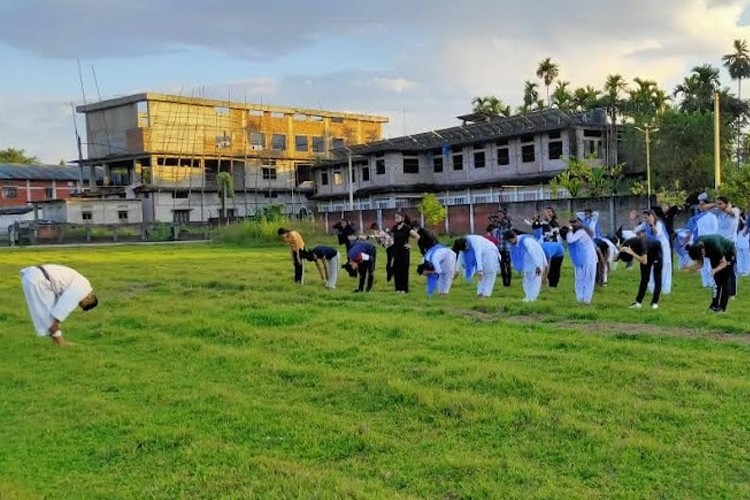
610	328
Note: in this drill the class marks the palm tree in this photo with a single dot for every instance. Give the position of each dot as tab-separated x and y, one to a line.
491	106
548	72
585	98
697	89
645	101
738	65
530	95
613	85
561	98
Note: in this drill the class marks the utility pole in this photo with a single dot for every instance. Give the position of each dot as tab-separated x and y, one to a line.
717	142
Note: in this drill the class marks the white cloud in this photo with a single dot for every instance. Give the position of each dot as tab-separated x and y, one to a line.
442	53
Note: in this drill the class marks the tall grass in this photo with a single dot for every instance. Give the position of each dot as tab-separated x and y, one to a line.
264	230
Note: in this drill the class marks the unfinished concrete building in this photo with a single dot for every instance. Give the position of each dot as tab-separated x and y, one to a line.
169	151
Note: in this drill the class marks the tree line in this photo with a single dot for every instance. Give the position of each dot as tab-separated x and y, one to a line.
680	121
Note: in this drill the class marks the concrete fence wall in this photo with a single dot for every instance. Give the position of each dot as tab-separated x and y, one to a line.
465	219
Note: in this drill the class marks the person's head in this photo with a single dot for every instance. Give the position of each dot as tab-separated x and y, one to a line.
550	212
722	202
460	245
400	217
510	236
564	232
350	269
696	251
307	255
374	227
490	228
649	216
89	302
501	215
587	212
425	267
575	223
282	232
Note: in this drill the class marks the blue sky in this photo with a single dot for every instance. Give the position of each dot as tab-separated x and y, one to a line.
419	62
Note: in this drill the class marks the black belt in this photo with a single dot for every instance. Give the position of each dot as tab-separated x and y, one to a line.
44	272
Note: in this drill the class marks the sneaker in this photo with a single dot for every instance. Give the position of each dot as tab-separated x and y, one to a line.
654	306
635	305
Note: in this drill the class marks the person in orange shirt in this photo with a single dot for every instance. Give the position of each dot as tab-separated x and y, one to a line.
297	245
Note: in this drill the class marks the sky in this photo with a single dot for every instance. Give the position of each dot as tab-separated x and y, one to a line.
417	62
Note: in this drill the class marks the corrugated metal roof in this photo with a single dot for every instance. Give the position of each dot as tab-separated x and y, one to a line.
14	171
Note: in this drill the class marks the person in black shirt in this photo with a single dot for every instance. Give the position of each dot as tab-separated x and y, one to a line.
326	260
346	233
425	239
401	232
721	253
649	254
361	260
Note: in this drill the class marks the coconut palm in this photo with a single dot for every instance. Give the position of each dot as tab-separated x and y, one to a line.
613	85
697	89
548	72
585	98
530	94
561	97
645	101
738	65
491	106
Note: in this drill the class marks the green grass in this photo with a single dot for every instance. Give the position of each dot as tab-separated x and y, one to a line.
205	372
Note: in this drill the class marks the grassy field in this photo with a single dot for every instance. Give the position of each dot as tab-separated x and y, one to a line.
206	373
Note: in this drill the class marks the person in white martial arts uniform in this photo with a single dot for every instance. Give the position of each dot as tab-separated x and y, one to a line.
52	292
528	257
584	257
479	256
439	266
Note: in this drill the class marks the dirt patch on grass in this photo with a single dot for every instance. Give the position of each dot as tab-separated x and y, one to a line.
607	328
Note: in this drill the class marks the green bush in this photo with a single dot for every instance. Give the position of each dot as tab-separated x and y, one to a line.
262	230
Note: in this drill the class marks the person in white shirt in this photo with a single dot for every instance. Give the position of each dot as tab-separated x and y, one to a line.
528	257
53	292
583	254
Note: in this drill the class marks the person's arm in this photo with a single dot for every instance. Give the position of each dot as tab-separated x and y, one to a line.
722	264
574	236
321	269
643	259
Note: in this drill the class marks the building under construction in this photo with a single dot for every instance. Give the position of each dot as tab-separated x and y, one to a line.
169	151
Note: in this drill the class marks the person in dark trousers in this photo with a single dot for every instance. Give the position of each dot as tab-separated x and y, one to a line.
296	245
555	254
361	261
721	254
385	240
502	223
648	252
401	252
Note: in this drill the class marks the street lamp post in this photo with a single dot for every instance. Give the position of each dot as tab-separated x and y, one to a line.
646	131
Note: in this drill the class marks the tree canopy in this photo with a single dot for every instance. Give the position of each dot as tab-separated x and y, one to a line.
13	155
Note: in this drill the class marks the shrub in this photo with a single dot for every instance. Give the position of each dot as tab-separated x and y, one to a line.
262	230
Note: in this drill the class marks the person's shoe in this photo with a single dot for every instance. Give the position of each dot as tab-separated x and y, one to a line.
635	305
356	290
713	309
654	306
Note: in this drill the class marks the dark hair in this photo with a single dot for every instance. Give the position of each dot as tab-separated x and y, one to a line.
307	255
722	199
564	232
459	245
695	251
338	226
91	305
509	235
282	231
490	228
350	270
625	257
374	225
425	266
407	220
552	210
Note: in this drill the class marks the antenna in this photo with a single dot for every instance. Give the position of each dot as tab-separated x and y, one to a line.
104	113
78	143
80	79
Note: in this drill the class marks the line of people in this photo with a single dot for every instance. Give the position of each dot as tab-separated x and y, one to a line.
538	256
